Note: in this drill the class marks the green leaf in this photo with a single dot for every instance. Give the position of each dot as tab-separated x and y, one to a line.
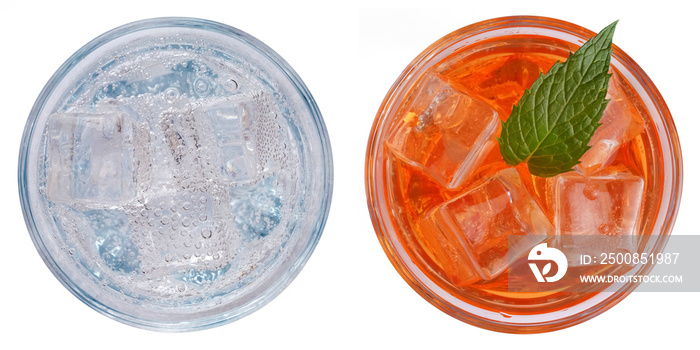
553	122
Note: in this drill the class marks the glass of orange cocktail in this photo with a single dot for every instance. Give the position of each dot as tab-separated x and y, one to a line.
454	218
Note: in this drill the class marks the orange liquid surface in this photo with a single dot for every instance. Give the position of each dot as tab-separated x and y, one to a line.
498	77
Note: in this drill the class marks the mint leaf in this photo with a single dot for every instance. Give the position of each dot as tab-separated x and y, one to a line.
553	122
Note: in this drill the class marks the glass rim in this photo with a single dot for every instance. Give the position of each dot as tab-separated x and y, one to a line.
381	217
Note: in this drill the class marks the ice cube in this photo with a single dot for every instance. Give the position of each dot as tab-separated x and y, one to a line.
257	209
620	123
412	185
90	158
269	140
444	131
185	228
247	135
232	122
480	220
113	240
185	148
181	136
599	205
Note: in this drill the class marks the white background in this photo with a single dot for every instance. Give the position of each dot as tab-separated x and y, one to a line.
348	53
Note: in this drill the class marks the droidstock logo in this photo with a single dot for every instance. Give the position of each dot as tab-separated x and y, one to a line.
543	253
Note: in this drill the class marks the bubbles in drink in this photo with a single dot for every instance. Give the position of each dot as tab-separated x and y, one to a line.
170	167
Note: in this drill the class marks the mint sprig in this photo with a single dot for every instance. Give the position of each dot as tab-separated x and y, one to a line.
553	122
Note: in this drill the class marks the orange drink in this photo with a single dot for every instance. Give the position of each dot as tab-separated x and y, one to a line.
454	218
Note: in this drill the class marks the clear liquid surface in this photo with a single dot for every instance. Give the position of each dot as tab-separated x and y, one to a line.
175	175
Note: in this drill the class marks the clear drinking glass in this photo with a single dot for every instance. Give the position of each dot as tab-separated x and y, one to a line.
175	174
444	203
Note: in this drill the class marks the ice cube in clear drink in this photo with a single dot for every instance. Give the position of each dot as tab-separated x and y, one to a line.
444	131
186	229
480	220
90	158
113	240
269	141
233	125
257	209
